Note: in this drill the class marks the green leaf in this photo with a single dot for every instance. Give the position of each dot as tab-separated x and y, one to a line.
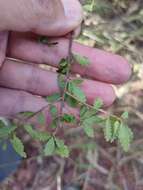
59	142
88	113
61	148
54	124
125	137
18	146
84	61
98	104
53	110
77	81
63	67
116	129
91	121
63	63
125	115
63	151
61	81
27	114
77	92
71	101
108	130
41	118
50	147
83	110
68	118
6	131
89	131
88	124
37	135
53	98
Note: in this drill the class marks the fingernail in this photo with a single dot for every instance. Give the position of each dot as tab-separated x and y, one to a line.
73	12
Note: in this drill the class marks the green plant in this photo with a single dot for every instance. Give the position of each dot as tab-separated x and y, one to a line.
115	128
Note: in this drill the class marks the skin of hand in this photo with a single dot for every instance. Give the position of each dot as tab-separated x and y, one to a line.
44	17
23	85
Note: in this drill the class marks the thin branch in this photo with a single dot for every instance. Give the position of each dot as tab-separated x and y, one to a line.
69	61
91	107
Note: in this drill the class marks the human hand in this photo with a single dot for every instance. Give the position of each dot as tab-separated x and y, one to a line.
21	82
44	17
104	68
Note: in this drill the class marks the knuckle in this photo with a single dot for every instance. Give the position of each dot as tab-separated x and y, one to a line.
33	80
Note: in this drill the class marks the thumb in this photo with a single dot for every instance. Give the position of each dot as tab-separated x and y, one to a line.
45	17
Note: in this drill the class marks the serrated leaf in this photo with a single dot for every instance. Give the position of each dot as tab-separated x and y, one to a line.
61	148
53	110
27	114
83	110
116	129
68	118
54	124
37	135
59	142
77	92
53	98
108	130
125	137
88	113
41	118
82	60
63	63
18	146
71	101
61	81
50	147
77	81
63	151
88	125
63	67
98	104
125	115
89	131
91	121
7	130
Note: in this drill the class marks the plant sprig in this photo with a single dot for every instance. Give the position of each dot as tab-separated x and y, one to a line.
114	128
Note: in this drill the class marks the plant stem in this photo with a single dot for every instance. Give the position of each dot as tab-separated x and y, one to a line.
69	62
91	107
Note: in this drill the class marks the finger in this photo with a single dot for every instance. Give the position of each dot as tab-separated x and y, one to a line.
3	46
47	17
13	102
103	66
41	82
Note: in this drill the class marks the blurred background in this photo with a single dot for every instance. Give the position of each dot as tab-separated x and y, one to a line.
116	26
